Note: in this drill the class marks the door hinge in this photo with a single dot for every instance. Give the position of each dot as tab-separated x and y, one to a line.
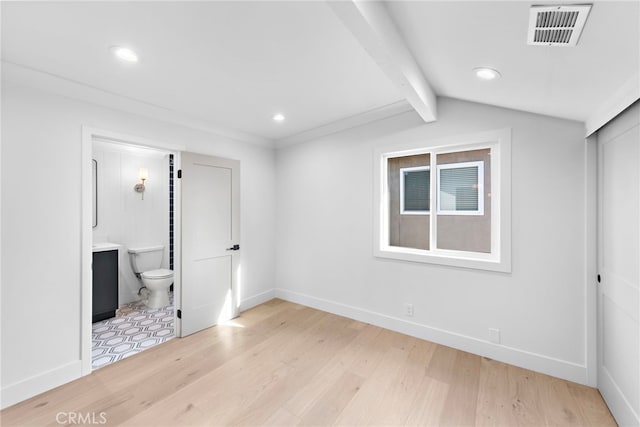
598	278
179	173
179	314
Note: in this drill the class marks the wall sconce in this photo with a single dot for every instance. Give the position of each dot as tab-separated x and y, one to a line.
143	175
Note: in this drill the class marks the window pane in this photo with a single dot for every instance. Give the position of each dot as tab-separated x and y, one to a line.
459	189
417	190
409	230
464	205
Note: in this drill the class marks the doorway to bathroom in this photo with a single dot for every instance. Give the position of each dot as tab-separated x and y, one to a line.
203	248
133	255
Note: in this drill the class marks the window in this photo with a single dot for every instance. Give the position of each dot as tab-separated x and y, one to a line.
446	202
460	186
415	189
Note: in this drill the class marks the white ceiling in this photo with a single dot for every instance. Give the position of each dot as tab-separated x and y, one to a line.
449	39
235	64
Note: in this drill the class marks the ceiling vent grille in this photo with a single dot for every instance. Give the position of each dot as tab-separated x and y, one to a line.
556	25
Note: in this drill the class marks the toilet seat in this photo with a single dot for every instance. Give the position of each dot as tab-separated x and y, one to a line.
161	273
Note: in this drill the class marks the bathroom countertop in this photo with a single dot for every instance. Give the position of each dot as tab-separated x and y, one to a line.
105	246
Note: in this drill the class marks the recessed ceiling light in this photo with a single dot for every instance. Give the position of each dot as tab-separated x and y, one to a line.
124	54
278	117
484	73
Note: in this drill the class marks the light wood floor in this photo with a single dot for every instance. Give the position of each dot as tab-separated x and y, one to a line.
285	364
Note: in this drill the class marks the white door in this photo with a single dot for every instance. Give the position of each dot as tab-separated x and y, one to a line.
210	221
619	266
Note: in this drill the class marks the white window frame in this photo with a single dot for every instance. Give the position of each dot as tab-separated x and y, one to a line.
411	169
499	141
480	179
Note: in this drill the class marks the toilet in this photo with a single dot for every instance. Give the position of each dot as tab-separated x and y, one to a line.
146	262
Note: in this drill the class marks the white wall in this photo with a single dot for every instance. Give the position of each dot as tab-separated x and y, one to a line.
323	241
325	234
124	217
41	211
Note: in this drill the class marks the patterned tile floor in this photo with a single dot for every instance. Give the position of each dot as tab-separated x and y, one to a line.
134	329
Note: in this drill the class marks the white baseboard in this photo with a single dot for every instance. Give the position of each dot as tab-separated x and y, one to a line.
23	390
620	407
30	387
258	299
40	383
536	362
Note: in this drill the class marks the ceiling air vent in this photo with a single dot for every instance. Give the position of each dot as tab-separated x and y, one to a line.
556	25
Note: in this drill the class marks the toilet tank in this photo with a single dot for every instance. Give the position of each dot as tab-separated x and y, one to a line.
146	258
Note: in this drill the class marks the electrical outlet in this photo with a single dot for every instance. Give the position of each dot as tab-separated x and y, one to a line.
494	335
408	309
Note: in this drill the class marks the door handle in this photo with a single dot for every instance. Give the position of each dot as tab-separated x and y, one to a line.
234	248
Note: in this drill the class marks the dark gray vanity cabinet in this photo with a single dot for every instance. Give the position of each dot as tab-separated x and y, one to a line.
105	284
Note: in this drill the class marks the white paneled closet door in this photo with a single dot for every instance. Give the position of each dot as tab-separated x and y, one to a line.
619	265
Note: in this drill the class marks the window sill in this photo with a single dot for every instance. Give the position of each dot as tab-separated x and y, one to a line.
471	260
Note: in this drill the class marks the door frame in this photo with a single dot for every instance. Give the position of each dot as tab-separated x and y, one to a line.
591	261
86	232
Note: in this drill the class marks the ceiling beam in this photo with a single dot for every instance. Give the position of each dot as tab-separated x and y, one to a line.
373	27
